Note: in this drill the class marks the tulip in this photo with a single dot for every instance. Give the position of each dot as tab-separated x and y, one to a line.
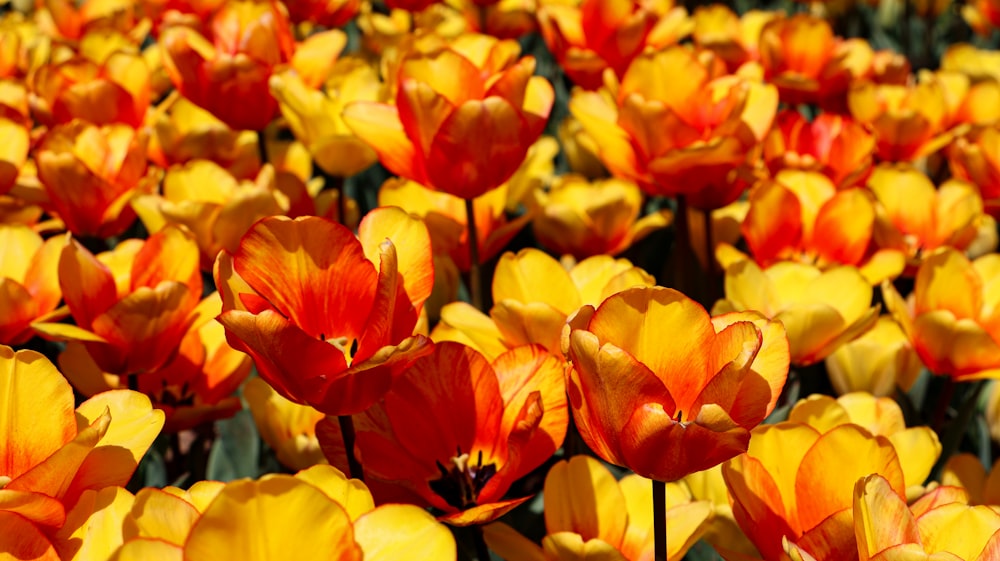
917	219
967	471
314	115
90	173
938	526
917	447
735	39
49	462
808	64
212	204
527	312
949	317
660	409
821	310
588	512
247	40
834	145
908	121
192	388
29	281
287	427
460	124
72	21
678	141
788	487
876	362
583	219
115	91
264	517
502	420
589	36
328	13
328	318
182	131
975	157
132	305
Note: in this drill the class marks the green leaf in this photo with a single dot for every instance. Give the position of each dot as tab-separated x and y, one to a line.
236	450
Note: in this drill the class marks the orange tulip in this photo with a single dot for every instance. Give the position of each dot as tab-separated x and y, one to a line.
915	218
590	515
678	140
834	145
195	386
131	305
90	173
735	39
48	460
328	13
328	318
975	157
114	91
182	131
682	404
820	309
14	152
808	63
795	483
583	219
908	120
29	281
588	36
73	21
460	441
227	72
461	124
951	318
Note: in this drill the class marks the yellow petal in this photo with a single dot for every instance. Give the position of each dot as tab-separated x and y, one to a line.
159	515
145	549
581	496
517	278
393	532
352	494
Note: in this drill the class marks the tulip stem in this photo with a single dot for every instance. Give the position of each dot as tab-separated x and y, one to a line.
475	281
660	520
347	431
337	182
953	436
482	550
261	147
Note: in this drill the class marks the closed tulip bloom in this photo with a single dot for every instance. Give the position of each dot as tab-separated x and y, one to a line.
678	140
457	430
583	218
951	315
734	38
876	362
182	131
460	124
669	408
246	41
590	515
940	525
329	319
821	310
590	35
131	305
29	281
90	173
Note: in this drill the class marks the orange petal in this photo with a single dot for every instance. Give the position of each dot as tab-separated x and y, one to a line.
947	281
22	540
88	286
379	125
773	224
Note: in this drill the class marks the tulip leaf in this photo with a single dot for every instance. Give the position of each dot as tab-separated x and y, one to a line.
702	552
236	450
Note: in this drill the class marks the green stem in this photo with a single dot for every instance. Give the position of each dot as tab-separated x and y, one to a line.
261	147
660	520
475	280
347	431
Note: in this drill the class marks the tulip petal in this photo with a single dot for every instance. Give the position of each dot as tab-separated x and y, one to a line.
881	517
517	277
413	248
87	284
379	125
948	281
581	496
774	222
352	494
22	540
93	528
142	549
392	532
159	515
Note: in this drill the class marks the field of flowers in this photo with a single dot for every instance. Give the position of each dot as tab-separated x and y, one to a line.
531	280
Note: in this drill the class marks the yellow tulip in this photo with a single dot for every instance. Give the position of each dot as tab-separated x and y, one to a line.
287	427
877	361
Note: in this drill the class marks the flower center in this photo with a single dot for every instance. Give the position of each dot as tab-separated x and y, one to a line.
461	481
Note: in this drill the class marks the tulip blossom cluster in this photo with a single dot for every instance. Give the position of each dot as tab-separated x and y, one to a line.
541	280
